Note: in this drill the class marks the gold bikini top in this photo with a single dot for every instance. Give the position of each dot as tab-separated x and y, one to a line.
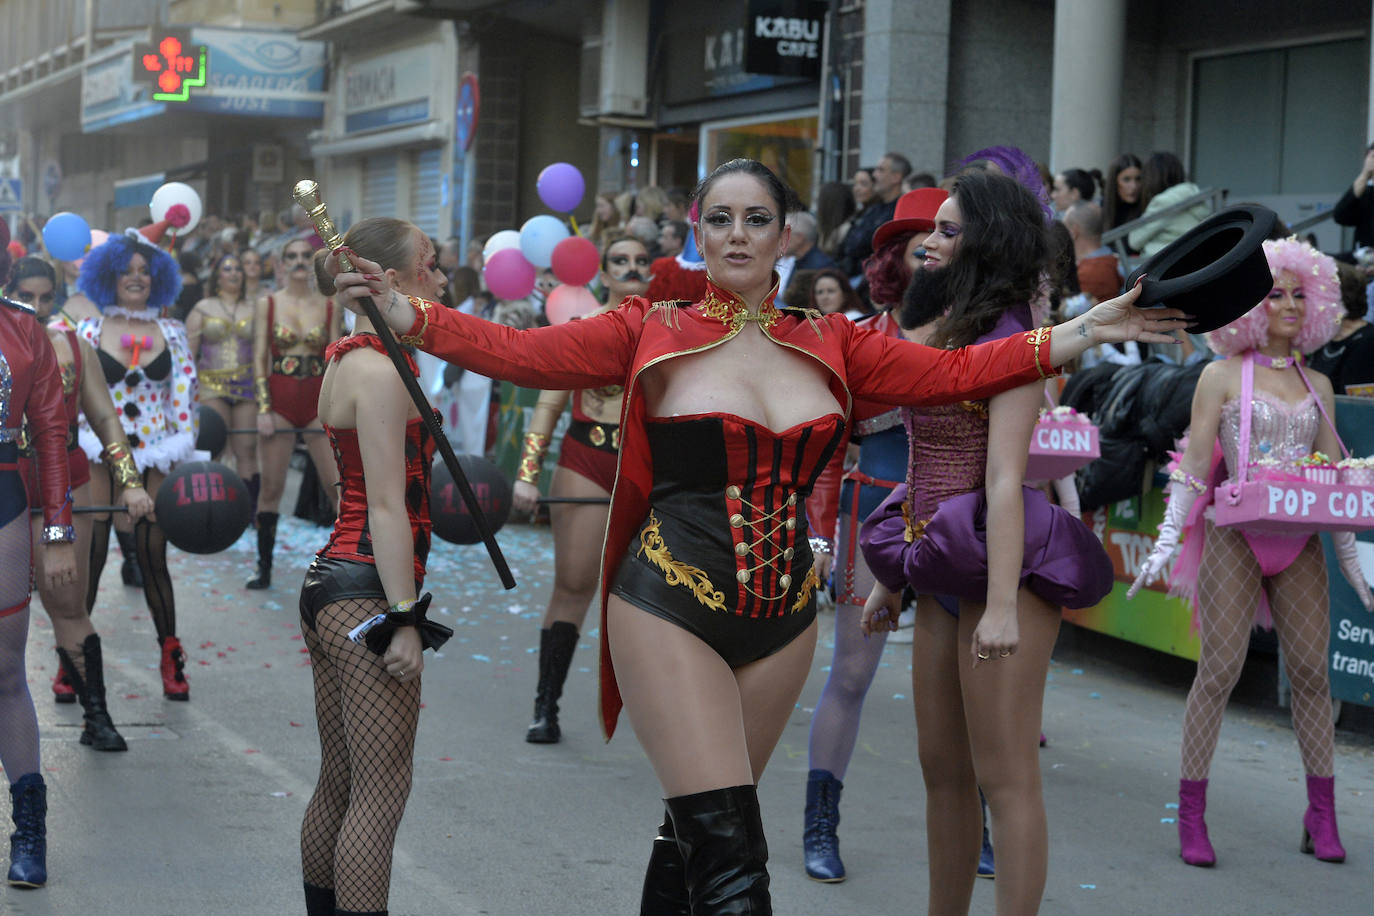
285	336
217	330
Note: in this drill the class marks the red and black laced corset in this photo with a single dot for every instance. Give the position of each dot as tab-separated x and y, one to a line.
727	527
351	538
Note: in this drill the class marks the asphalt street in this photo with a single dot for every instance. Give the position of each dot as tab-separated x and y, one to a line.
203	812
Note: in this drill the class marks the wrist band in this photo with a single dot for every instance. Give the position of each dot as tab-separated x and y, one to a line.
58	534
121	464
532	457
821	545
421	306
1193	483
408	613
263	395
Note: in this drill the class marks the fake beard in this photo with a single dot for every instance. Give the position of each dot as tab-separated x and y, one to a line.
926	299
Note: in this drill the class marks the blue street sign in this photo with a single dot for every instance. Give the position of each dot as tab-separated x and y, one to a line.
11	194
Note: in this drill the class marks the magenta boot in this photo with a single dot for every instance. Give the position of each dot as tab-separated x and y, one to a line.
1319	834
1193	844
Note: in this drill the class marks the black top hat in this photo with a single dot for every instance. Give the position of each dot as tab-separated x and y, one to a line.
1215	271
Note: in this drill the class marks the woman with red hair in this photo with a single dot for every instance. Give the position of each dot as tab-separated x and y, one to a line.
1237	578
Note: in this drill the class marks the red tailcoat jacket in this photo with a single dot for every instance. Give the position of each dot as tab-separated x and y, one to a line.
615	347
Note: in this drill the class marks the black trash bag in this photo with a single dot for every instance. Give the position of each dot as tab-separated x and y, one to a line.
1118	474
1086	391
1119	417
1165	408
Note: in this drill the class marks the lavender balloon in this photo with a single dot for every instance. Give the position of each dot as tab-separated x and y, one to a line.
561	187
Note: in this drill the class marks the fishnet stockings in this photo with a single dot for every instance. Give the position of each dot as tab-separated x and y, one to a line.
366	721
18	723
835	723
150	549
1229	585
100	548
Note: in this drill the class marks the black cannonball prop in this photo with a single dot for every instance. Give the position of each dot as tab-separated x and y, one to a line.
1216	271
449	513
213	434
203	507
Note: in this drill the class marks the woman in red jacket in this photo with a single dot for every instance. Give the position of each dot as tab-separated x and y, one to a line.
732	409
30	388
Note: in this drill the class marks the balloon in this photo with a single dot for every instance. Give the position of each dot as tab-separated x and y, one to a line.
575	261
67	236
203	507
567	302
539	236
561	187
506	238
509	275
449	513
170	194
212	433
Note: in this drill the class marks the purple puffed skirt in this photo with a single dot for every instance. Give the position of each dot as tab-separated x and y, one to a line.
1063	561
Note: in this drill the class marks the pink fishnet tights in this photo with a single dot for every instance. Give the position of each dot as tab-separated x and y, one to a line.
1229	584
367	723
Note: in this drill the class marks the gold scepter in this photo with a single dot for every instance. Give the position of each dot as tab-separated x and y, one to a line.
307	194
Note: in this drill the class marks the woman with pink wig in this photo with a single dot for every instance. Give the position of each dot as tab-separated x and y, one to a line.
1236	578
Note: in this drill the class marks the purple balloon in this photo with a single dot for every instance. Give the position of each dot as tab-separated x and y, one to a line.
561	187
509	275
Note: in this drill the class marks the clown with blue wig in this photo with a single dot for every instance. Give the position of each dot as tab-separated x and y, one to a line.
147	364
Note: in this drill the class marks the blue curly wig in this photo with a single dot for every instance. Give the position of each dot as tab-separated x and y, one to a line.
101	269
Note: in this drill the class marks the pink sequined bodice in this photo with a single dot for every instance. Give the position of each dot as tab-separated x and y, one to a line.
1278	430
949	453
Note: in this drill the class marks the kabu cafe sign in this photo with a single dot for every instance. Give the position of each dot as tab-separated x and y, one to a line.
785	37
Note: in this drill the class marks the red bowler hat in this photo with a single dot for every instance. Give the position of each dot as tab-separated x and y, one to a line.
915	213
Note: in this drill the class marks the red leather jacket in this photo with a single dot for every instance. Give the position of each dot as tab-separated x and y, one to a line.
616	346
32	388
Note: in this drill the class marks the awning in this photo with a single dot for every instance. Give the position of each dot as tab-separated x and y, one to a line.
425	134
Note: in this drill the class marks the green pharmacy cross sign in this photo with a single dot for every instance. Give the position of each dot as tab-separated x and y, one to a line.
171	66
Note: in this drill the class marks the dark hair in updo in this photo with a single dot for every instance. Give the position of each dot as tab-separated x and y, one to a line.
785	198
27	267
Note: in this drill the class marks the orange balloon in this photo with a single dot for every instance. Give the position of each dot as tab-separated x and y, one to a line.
567	302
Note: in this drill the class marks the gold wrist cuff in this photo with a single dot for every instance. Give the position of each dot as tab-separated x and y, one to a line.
532	457
121	464
263	395
421	306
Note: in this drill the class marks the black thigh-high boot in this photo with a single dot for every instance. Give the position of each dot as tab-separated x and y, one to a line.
665	880
319	901
254	485
556	647
720	833
267	542
99	731
129	571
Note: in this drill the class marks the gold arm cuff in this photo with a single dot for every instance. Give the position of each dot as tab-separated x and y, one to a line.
532	457
121	464
263	395
418	338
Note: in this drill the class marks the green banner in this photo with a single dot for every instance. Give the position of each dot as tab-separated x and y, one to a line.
1352	627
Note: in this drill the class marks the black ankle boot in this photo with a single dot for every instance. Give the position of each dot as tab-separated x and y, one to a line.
820	845
128	570
99	731
720	833
29	842
556	646
665	880
319	901
267	541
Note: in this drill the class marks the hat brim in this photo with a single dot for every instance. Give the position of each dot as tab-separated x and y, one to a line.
892	227
1216	271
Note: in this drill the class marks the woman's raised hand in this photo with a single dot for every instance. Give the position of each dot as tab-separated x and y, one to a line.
1118	320
363	281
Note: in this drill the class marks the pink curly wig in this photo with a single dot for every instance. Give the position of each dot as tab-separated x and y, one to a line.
1321	290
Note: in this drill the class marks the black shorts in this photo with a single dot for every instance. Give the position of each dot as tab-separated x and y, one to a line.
736	638
330	580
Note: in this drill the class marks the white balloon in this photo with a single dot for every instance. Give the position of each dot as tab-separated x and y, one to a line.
174	192
506	238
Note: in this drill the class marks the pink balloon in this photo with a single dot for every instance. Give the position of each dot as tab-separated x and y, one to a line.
508	274
567	302
575	261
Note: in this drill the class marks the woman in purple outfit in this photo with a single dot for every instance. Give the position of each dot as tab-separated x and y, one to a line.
981	653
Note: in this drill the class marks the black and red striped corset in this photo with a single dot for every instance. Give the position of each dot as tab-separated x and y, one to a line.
727	516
